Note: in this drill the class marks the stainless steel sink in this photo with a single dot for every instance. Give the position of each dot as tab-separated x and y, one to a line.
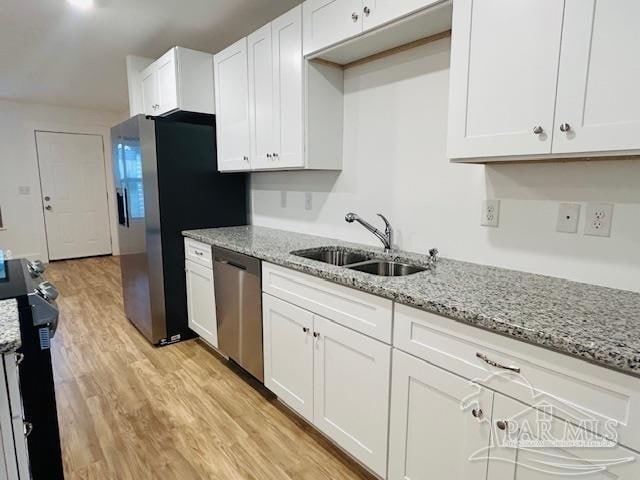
334	256
387	269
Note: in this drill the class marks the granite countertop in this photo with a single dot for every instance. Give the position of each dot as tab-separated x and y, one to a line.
598	324
9	326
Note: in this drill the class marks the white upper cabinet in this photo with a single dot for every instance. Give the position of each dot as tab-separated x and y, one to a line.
294	110
504	64
598	106
540	79
232	119
330	21
288	95
431	409
261	104
181	79
377	12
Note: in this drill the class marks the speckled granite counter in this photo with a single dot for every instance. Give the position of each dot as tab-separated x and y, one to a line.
598	324
9	326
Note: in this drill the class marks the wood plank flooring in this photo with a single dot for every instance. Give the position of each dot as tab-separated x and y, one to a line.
128	410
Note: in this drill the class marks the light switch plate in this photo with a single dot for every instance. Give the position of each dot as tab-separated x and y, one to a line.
490	213
598	219
568	217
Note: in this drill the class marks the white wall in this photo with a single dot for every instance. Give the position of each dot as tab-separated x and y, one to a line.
24	232
395	162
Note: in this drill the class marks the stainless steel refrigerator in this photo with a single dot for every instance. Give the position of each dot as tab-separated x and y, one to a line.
167	181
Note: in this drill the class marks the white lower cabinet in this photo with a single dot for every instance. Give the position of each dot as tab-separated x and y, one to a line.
516	453
201	303
288	353
440	423
14	456
336	378
351	391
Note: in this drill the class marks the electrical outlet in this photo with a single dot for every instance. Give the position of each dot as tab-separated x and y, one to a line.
308	201
568	216
490	213
598	220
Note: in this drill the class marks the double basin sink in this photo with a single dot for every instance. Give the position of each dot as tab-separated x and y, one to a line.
360	262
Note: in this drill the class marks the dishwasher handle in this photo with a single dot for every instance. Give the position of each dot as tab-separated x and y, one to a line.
231	264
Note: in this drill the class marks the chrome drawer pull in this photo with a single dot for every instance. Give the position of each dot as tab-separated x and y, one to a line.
493	363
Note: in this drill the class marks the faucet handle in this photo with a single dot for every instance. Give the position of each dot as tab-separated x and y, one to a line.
433	253
386	222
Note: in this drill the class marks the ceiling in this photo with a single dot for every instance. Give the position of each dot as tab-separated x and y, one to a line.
51	52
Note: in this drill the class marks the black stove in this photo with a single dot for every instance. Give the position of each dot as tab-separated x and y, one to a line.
38	313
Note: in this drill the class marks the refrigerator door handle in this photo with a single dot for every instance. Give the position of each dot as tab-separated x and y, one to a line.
126	206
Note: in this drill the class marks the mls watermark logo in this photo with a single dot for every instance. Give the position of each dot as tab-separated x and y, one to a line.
548	435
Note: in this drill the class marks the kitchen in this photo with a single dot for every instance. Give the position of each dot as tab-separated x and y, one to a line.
498	288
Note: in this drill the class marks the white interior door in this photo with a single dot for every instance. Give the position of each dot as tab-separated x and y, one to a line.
287	82
74	194
598	94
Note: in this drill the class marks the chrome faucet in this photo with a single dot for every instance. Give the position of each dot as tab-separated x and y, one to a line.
386	238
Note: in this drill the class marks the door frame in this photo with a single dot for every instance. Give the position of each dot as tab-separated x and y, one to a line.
78	129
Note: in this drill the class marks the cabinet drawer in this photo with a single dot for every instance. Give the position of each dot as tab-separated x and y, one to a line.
360	311
574	388
198	252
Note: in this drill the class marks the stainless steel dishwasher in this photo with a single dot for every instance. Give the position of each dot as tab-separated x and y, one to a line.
237	283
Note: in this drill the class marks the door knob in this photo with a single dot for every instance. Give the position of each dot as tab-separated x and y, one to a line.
48	207
354	16
565	127
538	129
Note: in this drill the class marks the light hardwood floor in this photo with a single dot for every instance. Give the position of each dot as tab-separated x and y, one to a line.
128	410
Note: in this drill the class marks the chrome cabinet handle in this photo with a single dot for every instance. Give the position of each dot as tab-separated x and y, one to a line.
199	253
502	424
493	363
367	11
48	207
316	334
28	428
19	358
354	16
538	129
305	329
268	155
275	155
245	158
477	413
565	127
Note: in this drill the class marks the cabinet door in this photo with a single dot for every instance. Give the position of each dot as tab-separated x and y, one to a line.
288	353
440	423
598	94
167	82
150	90
351	391
532	444
201	303
232	107
377	12
261	98
330	21
504	65
287	83
8	463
